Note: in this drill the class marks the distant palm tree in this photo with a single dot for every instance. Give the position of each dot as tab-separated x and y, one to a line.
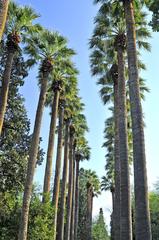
3	15
93	189
18	25
82	153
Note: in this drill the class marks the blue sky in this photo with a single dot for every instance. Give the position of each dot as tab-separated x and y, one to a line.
74	20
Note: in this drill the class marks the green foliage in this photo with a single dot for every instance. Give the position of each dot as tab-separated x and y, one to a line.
99	231
21	20
153	6
85	177
15	139
10	204
154	213
40	219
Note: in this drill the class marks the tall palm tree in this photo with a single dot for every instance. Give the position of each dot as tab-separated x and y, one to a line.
143	228
19	23
3	15
45	46
103	64
140	173
125	216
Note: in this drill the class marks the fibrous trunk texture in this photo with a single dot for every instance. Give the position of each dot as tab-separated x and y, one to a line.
72	231
117	166
56	188
89	211
32	161
50	151
61	216
70	191
3	15
77	198
142	216
125	212
5	87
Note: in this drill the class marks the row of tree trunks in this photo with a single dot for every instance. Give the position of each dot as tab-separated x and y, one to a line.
61	216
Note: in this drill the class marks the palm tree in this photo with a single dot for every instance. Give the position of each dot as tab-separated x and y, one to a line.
125	214
103	64
107	185
103	29
46	47
3	15
140	174
82	153
18	25
93	189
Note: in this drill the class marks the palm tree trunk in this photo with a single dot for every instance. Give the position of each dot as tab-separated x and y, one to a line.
112	215
125	212
61	217
5	87
77	198
72	231
70	190
89	211
50	151
56	190
32	161
3	15
142	215
117	166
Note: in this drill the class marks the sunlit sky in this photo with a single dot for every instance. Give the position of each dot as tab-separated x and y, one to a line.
74	20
